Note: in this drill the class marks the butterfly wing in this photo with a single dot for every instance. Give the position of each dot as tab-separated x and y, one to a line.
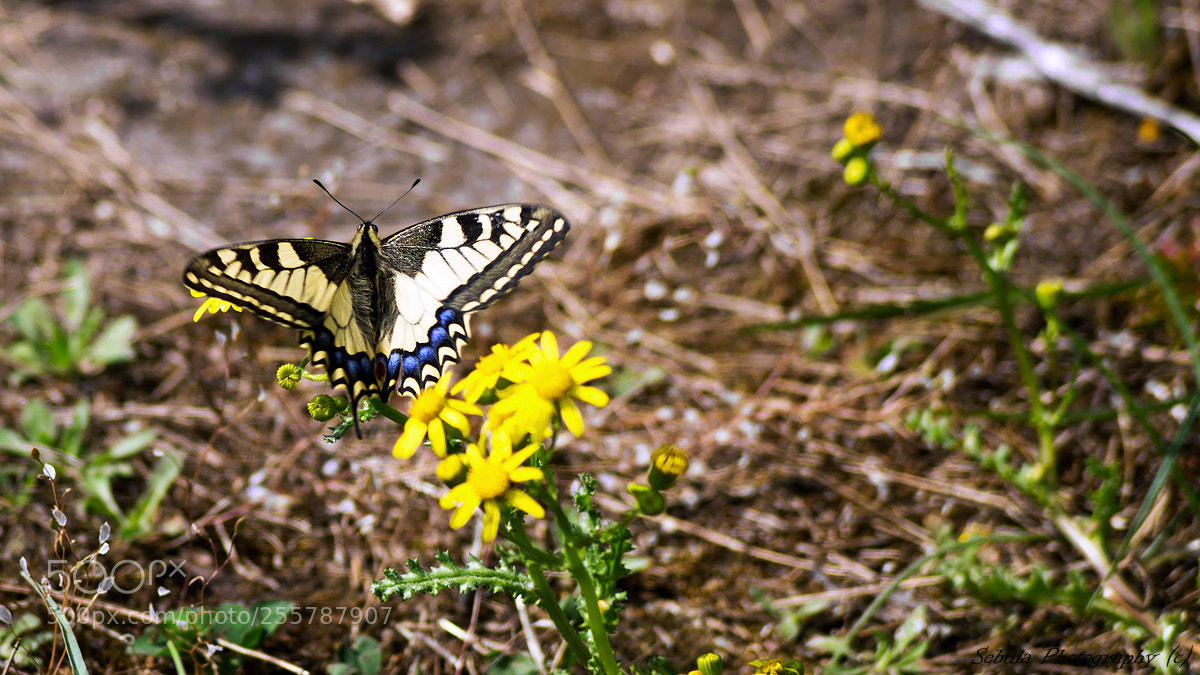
288	281
444	269
299	283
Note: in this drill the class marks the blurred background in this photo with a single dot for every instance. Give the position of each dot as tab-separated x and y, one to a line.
689	145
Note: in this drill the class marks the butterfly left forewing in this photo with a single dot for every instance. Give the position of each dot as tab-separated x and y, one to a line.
288	281
446	268
301	283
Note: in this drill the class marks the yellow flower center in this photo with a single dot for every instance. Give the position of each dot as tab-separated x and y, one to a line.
427	406
550	380
488	480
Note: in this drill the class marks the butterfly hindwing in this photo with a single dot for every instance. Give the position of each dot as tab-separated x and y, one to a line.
390	315
449	267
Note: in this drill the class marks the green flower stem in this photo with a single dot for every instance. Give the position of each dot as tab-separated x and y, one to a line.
541	586
1000	287
587	590
389	412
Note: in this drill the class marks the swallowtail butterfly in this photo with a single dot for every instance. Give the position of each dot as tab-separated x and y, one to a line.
384	314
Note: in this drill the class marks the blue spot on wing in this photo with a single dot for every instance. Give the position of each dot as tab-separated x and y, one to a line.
408	371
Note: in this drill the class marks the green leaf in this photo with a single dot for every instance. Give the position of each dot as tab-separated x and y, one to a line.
12	443
58	351
131	445
25	358
71	439
76	295
97	484
368	655
81	336
141	517
38	423
32	320
272	614
115	343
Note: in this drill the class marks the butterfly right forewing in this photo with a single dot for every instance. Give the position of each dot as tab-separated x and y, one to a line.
448	267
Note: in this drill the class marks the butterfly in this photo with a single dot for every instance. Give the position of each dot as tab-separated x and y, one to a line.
384	314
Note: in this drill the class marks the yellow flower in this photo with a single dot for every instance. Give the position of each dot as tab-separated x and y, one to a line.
862	129
546	384
778	667
427	415
211	305
489	369
974	531
490	480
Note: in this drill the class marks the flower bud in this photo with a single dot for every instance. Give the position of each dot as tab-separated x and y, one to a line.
288	375
667	463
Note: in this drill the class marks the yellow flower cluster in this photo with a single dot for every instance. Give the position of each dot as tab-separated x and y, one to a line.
860	132
531	385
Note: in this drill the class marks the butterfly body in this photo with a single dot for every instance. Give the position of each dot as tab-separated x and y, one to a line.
383	315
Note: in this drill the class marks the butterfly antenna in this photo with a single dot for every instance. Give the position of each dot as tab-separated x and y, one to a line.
410	189
339	203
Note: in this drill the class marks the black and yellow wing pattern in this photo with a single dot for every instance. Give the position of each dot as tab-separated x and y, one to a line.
384	314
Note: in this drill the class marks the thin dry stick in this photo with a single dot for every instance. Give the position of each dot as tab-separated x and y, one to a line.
1045	182
1191	30
568	109
748	178
655	199
838	565
755	27
1064	65
370	132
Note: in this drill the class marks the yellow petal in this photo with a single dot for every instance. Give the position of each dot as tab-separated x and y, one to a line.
589	371
549	345
590	395
437	437
576	353
524	502
525	473
410	440
491	520
457	495
571	417
461	515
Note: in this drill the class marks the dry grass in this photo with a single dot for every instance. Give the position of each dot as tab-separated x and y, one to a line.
133	134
